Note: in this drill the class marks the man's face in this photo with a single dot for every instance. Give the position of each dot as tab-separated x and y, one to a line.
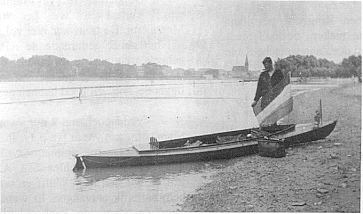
267	65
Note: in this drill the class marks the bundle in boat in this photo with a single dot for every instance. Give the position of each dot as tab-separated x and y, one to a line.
271	147
154	143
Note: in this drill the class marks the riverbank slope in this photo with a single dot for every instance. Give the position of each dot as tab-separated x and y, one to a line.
322	176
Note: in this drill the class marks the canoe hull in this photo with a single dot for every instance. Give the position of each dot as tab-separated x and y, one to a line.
100	162
311	135
222	151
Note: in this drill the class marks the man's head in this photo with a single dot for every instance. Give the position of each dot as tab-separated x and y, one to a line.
267	63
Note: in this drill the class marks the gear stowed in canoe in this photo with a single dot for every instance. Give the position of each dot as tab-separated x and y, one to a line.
222	145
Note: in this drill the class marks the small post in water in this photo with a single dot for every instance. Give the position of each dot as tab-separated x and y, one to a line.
79	93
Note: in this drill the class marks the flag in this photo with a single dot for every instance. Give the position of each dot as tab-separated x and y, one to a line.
276	104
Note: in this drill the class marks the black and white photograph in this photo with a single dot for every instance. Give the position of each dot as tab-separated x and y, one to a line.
180	106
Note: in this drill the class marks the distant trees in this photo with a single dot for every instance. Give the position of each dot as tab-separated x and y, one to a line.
124	70
152	70
353	66
36	66
310	66
5	70
49	66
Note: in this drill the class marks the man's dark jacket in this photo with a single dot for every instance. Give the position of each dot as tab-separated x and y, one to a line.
266	83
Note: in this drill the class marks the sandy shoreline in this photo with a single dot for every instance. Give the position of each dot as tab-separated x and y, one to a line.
322	176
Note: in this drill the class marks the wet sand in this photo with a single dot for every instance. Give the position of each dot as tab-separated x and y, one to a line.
321	176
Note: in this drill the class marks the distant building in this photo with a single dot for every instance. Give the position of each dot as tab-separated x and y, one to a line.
240	71
208	76
213	72
223	74
253	75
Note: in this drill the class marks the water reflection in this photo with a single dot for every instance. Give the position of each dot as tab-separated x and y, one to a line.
153	173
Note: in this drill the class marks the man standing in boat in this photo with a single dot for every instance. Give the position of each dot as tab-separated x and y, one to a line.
268	79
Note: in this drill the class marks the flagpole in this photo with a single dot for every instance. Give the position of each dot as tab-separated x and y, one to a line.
321	113
288	116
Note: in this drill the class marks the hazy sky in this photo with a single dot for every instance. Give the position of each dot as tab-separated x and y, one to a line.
187	34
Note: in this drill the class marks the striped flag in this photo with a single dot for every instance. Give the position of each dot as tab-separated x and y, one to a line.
276	104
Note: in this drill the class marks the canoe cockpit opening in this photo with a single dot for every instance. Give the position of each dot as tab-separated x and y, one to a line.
201	141
220	138
193	144
230	138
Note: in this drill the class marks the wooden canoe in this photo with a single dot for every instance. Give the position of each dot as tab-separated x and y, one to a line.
234	144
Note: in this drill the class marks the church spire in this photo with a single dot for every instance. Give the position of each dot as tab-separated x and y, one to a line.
246	63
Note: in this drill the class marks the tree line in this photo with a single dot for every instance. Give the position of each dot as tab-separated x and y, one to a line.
49	66
310	66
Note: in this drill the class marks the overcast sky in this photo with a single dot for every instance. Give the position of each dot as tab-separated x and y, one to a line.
187	34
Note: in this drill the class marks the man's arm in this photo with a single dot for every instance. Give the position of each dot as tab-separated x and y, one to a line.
259	88
258	91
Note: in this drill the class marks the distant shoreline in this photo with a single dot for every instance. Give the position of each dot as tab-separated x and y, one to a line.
39	79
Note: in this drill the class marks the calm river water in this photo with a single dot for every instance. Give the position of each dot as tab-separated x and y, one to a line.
39	138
